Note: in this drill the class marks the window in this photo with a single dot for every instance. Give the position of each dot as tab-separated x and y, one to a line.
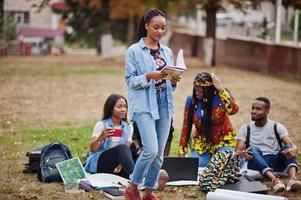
20	17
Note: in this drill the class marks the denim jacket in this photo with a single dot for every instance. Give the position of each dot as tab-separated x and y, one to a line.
91	163
141	92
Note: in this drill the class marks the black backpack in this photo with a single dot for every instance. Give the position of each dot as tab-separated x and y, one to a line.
52	154
34	158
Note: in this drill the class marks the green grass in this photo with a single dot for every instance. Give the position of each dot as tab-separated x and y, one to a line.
23	130
175	143
15	70
76	138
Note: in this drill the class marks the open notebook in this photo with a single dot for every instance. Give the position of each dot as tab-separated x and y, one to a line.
178	69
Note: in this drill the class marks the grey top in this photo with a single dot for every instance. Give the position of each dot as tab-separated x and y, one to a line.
263	137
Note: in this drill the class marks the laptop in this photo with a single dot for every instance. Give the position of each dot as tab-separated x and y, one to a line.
245	185
71	170
181	169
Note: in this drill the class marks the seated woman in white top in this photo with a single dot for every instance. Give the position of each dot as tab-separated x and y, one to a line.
111	139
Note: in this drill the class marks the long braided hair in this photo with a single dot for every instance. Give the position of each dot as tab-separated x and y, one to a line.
148	15
204	81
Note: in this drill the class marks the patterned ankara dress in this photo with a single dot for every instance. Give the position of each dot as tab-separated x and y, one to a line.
223	133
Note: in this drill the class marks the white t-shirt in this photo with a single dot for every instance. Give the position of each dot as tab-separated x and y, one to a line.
263	137
114	140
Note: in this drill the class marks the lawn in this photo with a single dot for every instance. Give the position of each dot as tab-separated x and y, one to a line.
48	98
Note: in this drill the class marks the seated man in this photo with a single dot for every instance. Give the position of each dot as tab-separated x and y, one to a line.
260	142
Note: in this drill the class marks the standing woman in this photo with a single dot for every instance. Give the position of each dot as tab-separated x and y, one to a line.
208	109
150	100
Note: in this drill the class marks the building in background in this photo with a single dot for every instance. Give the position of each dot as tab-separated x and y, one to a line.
42	28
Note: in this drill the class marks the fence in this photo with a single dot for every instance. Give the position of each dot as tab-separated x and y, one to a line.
252	54
13	48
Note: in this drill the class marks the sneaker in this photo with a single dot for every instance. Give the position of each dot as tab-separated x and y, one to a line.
293	185
149	197
278	186
133	194
162	180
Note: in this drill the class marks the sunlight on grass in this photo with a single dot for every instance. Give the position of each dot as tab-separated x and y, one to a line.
59	98
175	143
76	138
58	71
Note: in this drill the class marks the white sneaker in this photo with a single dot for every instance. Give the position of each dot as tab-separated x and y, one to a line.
162	180
293	185
278	186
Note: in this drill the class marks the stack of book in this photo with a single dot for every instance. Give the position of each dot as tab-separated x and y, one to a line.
76	180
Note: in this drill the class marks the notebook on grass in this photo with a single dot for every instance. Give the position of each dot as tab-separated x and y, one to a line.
113	193
181	169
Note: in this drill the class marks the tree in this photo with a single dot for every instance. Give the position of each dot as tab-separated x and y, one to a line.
8	29
211	7
1	19
90	19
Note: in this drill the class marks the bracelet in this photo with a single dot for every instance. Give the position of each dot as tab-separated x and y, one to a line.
99	141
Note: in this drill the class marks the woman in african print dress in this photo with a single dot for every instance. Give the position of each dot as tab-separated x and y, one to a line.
208	109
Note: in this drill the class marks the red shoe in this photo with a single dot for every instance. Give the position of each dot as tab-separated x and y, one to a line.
149	197
133	194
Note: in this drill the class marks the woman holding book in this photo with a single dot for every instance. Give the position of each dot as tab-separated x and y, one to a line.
150	100
208	109
111	139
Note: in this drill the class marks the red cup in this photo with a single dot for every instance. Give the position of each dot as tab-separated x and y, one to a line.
117	132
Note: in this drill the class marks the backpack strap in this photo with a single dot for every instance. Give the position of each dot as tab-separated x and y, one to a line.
248	136
277	135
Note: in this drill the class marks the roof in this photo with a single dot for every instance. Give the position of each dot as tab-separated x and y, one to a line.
40	32
59	6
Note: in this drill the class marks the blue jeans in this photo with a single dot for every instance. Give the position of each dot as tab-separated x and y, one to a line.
270	162
154	134
206	157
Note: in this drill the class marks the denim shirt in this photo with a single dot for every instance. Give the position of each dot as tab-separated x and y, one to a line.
141	92
91	163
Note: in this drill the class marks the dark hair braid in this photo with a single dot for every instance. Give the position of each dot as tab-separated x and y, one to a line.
208	94
148	15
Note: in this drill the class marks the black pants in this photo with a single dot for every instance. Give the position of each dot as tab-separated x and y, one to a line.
111	158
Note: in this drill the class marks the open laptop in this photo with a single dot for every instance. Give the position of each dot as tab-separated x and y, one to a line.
181	169
71	170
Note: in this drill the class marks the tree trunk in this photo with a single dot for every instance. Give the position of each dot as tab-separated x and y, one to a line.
106	28
106	39
131	30
209	43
